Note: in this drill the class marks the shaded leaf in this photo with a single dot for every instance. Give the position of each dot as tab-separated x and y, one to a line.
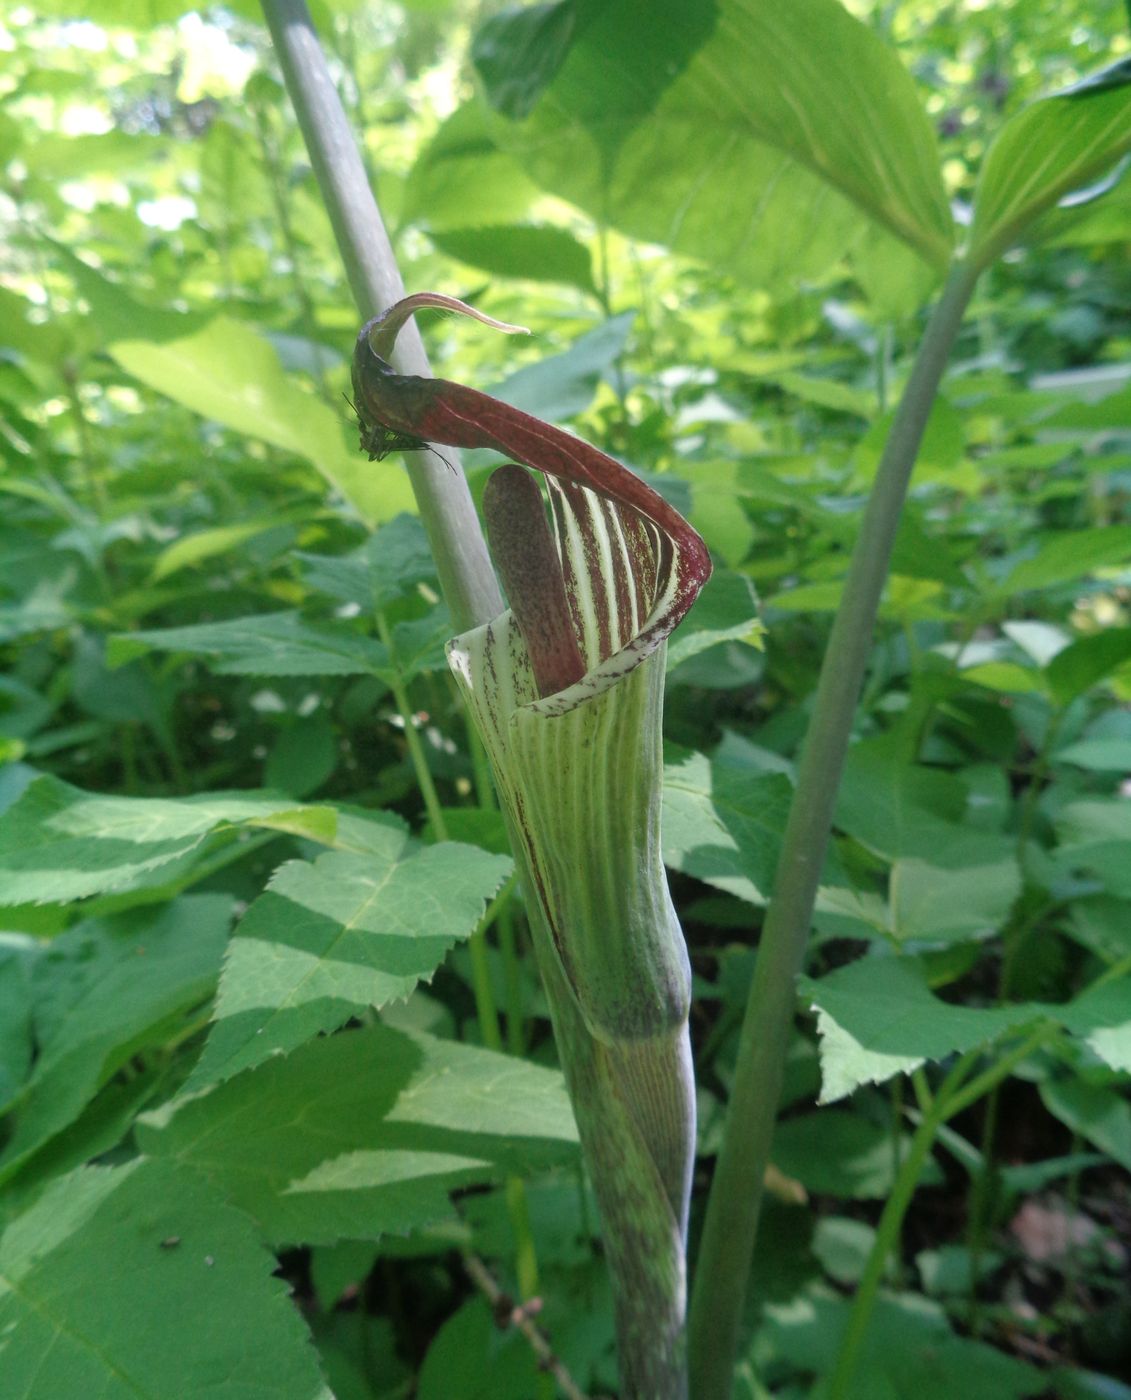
108	1267
726	610
363	1133
105	989
268	644
723	824
541	253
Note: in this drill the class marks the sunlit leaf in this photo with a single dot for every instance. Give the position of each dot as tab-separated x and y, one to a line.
1049	149
327	940
364	1133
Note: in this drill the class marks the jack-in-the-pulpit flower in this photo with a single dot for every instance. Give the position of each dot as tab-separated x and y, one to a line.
566	689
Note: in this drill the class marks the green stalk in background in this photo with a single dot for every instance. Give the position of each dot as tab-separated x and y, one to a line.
722	1267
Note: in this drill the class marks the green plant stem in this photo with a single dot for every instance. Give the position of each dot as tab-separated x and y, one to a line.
887	1233
441	491
727	1246
955	1094
412	737
508	941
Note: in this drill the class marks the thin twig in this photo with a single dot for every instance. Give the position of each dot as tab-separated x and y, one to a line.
508	1313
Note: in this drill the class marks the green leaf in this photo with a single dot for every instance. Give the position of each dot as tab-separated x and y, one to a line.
1048	150
1097	755
328	939
1086	662
1100	1115
470	1358
540	253
897	809
1067	556
877	1017
461	177
304	756
723	824
363	1133
726	610
103	991
268	644
909	1352
755	133
224	370
204	545
562	386
140	1281
58	843
17	959
517	52
936	904
389	565
1101	1017
837	1153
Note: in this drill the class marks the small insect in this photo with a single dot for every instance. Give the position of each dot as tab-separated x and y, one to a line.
378	440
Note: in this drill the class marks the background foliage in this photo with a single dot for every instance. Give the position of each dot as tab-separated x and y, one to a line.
231	749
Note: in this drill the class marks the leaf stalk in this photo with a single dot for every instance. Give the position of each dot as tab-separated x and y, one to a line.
726	1250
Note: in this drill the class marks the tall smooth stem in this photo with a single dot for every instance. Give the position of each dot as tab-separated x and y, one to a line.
723	1264
442	495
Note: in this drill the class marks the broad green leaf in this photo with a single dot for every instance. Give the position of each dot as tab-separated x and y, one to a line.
1067	556
391	563
723	824
109	153
1103	926
141	1281
327	940
1097	755
908	1353
936	904
877	1017
224	370
267	644
837	1153
1086	662
363	1133
1048	150
761	134
726	610
104	990
204	545
18	955
540	253
562	386
1101	1116
304	756
1101	1017
898	810
470	1358
59	843
462	177
517	52
1094	836
1009	677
